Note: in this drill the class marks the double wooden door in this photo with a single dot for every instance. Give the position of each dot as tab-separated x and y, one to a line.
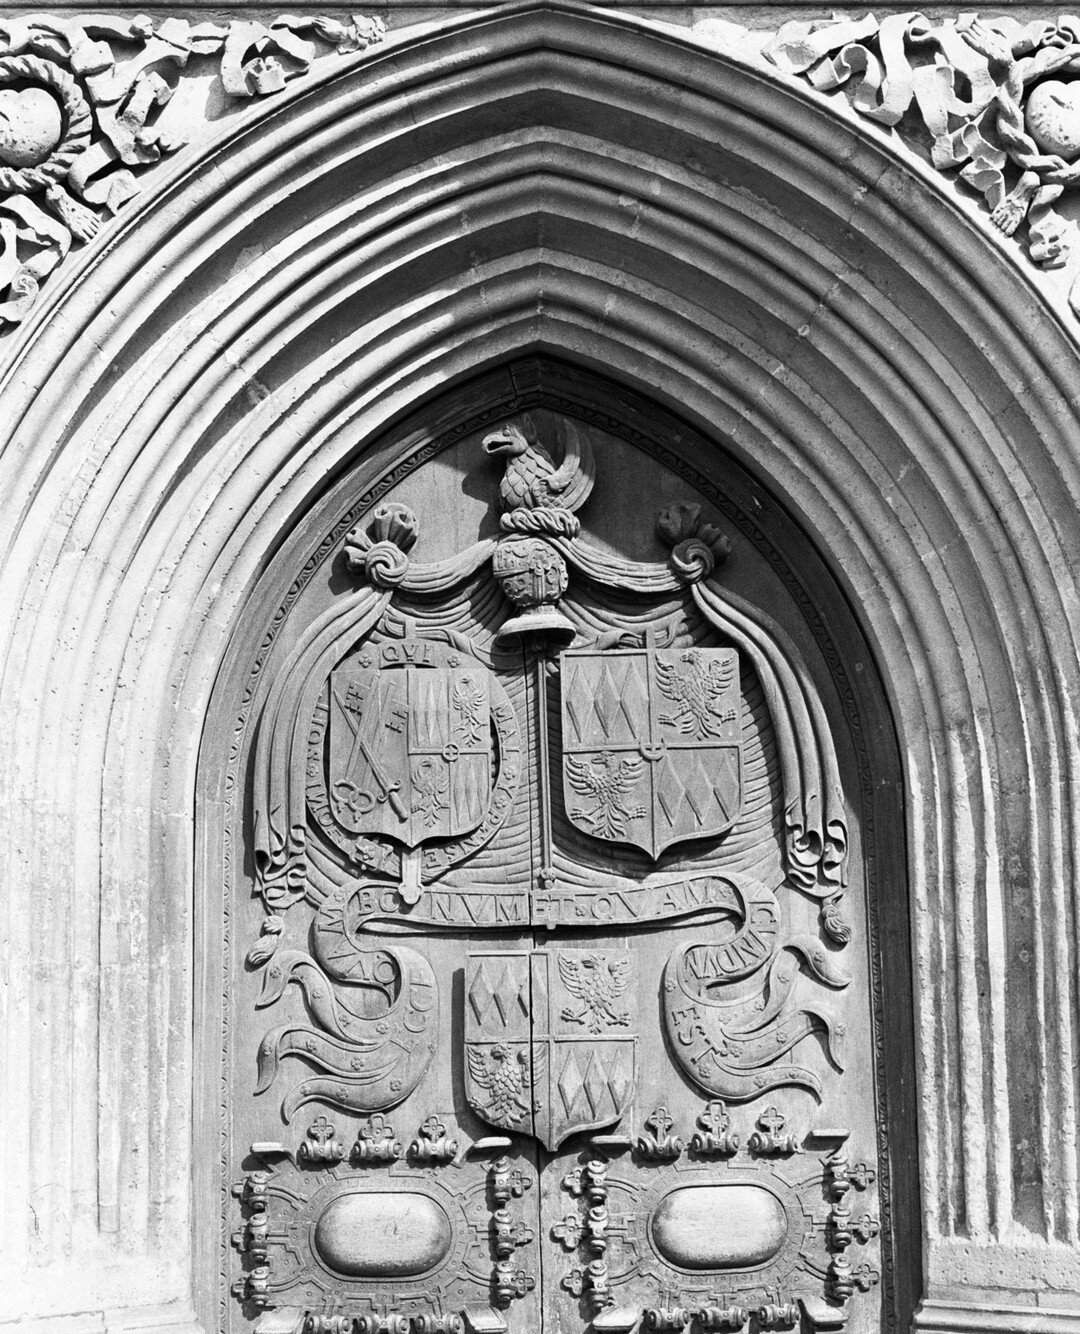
550	1002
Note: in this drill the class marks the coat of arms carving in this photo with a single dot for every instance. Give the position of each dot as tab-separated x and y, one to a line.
651	744
410	744
556	824
549	1041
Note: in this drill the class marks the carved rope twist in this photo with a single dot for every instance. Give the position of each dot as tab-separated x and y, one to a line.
77	117
551	520
1022	149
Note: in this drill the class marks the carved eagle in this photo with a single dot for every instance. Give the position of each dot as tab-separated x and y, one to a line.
698	692
597	984
504	1075
607	781
469	700
531	479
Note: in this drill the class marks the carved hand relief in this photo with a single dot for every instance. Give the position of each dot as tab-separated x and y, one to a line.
979	88
541	858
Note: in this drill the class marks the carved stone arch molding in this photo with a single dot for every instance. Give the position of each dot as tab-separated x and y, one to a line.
543	179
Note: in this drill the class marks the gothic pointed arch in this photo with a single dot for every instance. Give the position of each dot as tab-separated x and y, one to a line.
770	273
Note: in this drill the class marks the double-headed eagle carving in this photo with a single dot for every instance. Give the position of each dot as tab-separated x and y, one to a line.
597	985
504	1075
697	693
606	781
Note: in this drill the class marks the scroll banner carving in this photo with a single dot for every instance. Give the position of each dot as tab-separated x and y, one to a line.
727	1041
376	1055
983	90
372	906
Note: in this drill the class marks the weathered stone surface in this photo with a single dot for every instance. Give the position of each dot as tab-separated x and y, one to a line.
803	289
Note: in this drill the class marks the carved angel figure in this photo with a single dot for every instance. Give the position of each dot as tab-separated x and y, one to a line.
531	479
697	693
606	781
597	984
504	1076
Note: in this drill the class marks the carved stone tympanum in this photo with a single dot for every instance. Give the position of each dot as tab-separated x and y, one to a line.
553	837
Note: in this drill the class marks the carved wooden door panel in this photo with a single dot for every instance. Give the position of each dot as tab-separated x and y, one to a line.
560	1011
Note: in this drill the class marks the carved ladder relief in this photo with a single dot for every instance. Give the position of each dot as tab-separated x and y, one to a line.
553	1019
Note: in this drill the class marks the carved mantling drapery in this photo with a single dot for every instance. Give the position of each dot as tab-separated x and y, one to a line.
813	804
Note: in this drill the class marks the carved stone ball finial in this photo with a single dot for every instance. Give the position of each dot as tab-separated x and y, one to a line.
381	553
1052	117
696	548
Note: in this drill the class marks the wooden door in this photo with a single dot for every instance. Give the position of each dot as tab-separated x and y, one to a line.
552	1003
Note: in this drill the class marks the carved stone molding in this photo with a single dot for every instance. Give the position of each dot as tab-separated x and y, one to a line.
992	99
89	104
97	102
982	1317
799	289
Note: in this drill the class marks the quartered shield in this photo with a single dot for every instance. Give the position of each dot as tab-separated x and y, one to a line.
550	1046
410	745
652	748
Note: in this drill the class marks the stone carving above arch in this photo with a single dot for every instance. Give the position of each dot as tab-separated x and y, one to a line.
95	103
88	104
844	327
994	98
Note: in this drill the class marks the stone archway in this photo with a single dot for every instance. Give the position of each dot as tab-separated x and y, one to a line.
777	275
480	905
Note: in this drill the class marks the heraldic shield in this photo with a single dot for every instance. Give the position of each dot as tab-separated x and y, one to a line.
652	744
410	744
549	1046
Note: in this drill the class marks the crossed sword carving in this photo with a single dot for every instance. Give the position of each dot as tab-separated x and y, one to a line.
389	789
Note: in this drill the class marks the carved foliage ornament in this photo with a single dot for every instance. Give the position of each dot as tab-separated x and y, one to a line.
997	98
88	103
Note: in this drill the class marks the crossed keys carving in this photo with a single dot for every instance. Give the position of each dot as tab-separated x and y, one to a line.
360	803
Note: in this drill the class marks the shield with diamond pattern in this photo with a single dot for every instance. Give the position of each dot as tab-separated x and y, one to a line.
652	744
549	1046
